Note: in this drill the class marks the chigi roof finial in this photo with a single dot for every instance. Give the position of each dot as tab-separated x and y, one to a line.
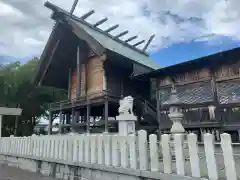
73	7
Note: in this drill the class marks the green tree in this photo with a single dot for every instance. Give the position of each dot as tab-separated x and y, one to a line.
17	90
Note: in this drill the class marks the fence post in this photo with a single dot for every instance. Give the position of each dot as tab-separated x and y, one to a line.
133	151
115	151
65	148
75	149
48	150
154	153
33	144
230	168
52	146
93	149
143	150
123	151
20	146
193	153
180	159
70	147
167	156
45	147
87	148
56	147
37	150
28	145
107	149
81	149
60	154
41	144
0	144
23	145
100	150
210	156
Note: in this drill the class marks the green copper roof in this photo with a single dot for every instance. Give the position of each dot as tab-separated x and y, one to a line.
119	48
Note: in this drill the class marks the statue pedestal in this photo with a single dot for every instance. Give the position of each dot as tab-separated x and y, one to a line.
176	118
126	124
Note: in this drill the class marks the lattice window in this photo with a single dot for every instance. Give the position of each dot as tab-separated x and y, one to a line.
196	93
229	92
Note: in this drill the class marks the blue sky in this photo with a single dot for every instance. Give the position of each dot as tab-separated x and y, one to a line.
182	52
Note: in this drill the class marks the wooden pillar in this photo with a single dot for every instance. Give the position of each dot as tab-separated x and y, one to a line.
16	125
63	122
106	114
73	122
121	86
78	88
60	122
1	124
69	83
94	121
215	95
50	124
88	117
86	78
68	118
158	110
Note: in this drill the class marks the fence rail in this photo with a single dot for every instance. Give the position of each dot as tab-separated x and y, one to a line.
172	154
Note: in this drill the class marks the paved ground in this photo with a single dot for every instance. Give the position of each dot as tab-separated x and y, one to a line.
12	173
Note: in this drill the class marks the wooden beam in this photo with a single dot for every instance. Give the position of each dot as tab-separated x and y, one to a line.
50	123
100	22
131	38
148	42
106	114
121	34
158	110
86	78
60	122
85	16
16	125
75	116
112	28
49	61
68	118
138	43
69	83
88	117
215	94
73	6
78	88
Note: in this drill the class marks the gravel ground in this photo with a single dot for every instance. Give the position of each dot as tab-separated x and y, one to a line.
13	173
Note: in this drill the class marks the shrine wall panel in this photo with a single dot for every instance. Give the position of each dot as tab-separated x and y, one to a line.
95	75
228	71
185	78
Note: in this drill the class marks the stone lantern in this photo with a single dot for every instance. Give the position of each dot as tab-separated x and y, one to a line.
175	113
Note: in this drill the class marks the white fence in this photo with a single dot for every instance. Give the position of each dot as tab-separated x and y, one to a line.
185	158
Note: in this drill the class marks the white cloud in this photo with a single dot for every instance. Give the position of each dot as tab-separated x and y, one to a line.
26	24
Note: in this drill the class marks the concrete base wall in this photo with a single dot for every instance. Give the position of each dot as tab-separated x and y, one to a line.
65	170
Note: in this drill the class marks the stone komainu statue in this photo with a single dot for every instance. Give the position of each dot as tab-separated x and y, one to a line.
126	105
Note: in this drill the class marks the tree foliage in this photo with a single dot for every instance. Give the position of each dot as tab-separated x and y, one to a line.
17	90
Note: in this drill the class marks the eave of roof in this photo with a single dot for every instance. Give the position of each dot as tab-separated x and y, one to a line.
202	61
42	59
